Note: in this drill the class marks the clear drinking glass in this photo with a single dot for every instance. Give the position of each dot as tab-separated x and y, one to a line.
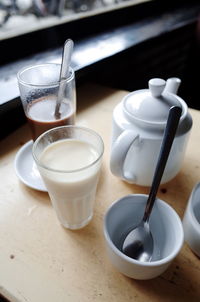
39	87
69	160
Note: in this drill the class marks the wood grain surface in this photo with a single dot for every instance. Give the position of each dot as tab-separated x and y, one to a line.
41	261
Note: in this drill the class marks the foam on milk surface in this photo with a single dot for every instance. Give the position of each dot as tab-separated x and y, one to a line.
72	193
68	154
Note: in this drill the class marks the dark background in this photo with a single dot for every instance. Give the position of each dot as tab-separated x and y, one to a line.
161	40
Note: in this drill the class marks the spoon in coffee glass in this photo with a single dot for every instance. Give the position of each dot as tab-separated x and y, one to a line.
64	71
138	244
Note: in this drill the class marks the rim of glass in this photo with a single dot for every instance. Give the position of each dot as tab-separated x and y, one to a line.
26	68
94	133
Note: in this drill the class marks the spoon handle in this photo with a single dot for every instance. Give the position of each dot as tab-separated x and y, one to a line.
66	59
168	138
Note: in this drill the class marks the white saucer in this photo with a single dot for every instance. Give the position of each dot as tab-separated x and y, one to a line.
26	168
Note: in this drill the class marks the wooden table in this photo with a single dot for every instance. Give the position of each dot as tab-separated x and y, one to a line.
40	261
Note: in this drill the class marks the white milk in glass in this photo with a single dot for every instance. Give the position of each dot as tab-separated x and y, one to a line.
71	179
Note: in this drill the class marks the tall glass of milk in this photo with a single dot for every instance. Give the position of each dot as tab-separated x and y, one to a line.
69	161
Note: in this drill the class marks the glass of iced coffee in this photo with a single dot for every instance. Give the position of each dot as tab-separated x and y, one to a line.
48	102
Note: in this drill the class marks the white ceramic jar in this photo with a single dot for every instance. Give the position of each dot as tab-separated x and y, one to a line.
138	125
191	221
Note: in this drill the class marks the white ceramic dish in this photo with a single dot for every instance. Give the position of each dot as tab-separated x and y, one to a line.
26	168
191	221
166	228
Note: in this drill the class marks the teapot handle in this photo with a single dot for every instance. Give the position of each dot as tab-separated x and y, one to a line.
119	152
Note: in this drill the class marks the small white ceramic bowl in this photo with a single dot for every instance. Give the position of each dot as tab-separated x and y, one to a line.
191	221
166	228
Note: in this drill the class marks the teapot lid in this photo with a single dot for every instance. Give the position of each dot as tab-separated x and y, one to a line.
151	105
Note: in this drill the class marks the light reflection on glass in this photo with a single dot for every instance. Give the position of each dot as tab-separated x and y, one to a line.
99	50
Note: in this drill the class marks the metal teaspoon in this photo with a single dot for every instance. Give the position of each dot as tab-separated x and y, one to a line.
139	244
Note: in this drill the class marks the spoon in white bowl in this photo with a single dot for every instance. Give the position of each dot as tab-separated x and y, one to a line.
138	243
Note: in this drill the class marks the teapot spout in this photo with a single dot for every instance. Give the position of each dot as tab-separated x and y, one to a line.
172	85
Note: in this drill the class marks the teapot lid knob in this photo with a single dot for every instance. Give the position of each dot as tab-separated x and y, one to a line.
156	86
172	85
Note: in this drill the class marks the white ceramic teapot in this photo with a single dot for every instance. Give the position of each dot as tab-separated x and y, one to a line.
138	125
